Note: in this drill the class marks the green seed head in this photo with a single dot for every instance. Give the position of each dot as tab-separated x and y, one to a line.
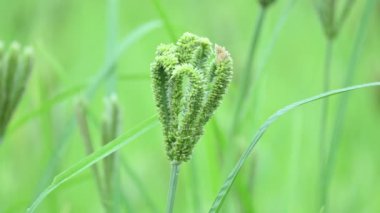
15	67
189	81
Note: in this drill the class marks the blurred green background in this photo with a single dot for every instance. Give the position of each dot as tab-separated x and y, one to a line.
71	44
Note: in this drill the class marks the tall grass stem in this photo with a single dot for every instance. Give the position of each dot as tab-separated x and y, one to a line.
173	186
325	102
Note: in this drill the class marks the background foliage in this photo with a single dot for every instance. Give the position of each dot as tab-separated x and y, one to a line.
71	45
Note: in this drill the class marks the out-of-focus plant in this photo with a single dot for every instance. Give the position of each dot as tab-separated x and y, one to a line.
16	65
110	129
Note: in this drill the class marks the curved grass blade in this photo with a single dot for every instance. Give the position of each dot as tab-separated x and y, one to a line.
96	156
232	176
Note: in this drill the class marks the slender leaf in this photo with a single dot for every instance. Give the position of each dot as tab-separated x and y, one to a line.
233	174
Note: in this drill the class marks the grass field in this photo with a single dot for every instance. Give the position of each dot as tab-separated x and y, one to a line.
321	157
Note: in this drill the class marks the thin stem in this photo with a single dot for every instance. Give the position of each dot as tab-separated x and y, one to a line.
324	115
173	186
194	186
325	102
246	80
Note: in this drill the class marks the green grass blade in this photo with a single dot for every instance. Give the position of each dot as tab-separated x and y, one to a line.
232	176
96	156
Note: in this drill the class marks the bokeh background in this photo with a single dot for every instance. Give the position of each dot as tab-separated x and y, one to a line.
73	41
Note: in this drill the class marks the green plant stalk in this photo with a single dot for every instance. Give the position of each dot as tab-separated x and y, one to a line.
197	202
246	79
342	105
325	102
117	190
173	186
224	190
324	114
